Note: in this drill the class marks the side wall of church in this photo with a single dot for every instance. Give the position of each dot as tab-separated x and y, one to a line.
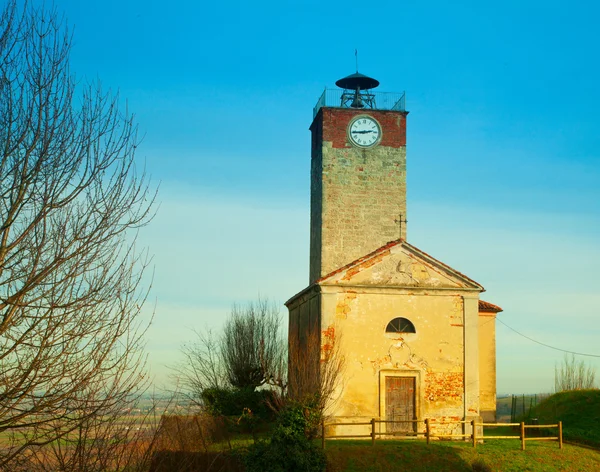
357	195
487	366
434	355
304	341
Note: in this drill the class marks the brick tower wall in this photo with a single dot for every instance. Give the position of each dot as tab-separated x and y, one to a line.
357	195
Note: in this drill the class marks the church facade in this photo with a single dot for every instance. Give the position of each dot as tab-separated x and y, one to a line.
416	339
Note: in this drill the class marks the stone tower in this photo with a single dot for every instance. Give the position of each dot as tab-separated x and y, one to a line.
358	183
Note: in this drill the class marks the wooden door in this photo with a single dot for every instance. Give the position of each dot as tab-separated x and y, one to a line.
400	403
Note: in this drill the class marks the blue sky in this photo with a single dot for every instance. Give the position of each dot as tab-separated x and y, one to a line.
503	150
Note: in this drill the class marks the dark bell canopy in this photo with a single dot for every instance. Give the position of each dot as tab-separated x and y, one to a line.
357	81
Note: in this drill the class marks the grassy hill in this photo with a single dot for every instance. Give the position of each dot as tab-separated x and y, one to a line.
579	410
412	456
457	456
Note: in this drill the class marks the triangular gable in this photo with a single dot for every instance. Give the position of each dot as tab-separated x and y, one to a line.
399	264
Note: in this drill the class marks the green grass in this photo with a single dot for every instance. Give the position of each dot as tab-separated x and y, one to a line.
451	456
579	410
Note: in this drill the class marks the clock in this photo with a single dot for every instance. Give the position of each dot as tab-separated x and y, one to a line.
364	131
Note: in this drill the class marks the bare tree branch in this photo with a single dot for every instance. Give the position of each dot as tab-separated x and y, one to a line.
573	375
70	273
202	367
251	344
250	352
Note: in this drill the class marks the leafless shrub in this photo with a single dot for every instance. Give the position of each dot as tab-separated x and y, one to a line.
117	441
249	353
573	375
252	344
71	349
202	366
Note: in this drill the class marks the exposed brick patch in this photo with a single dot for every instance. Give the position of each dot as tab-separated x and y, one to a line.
444	387
327	342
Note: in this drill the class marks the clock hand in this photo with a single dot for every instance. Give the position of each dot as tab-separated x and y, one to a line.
363	131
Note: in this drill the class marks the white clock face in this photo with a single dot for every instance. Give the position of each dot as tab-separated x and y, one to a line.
364	131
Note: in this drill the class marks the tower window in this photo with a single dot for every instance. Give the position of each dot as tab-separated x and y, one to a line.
400	325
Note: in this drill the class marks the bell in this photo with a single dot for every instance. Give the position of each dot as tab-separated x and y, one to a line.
357	102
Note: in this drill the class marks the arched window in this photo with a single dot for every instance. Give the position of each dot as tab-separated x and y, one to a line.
400	325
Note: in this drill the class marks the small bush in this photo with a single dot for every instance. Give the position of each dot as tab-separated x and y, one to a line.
290	448
300	455
236	401
299	420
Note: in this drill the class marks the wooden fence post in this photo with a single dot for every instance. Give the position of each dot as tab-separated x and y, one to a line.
474	433
372	431
427	429
323	434
522	436
560	434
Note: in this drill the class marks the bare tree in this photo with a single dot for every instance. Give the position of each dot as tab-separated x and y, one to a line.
248	353
202	367
70	293
573	375
252	346
251	352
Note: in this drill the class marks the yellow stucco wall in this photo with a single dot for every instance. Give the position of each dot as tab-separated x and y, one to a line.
434	355
487	365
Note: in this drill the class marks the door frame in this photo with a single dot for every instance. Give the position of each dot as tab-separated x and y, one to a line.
383	375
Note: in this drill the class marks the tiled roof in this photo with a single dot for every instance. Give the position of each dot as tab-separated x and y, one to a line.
488	307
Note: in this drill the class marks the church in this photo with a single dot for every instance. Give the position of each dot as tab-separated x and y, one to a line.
416	339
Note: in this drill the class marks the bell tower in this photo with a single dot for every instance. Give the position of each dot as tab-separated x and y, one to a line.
358	173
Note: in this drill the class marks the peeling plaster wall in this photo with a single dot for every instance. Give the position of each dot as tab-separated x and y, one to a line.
434	355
